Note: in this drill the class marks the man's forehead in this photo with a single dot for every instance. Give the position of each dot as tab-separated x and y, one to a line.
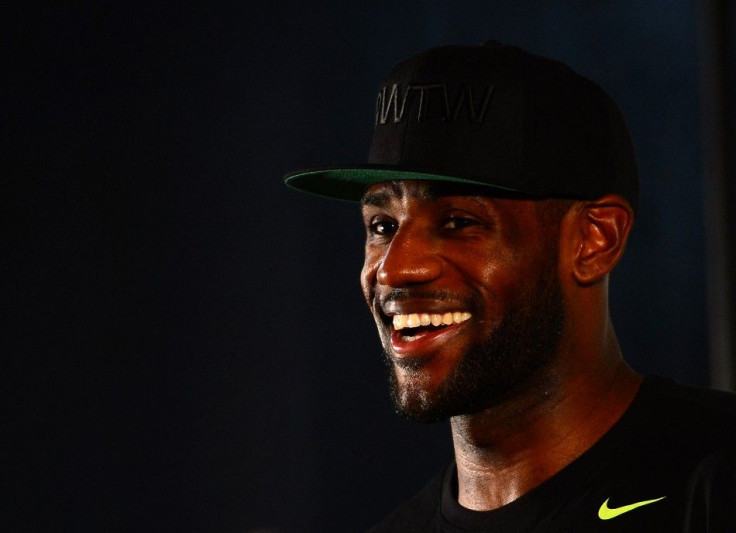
383	193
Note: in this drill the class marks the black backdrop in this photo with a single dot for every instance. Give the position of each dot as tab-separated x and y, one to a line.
185	347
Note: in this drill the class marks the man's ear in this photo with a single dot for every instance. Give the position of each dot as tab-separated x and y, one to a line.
599	232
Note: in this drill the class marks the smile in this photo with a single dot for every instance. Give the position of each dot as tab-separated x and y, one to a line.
420	335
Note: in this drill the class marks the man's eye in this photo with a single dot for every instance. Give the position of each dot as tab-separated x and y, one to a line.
382	227
458	222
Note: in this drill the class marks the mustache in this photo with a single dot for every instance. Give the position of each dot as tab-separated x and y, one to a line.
404	294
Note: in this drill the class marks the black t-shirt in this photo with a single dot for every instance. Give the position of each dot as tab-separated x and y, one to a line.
669	464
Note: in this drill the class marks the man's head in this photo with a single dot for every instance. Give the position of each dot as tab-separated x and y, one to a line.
499	193
465	292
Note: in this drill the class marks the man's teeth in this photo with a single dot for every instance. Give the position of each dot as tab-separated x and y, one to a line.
415	320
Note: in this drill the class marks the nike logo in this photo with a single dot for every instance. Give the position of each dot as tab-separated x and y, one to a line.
606	513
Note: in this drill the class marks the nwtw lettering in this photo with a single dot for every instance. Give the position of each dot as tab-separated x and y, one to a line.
392	104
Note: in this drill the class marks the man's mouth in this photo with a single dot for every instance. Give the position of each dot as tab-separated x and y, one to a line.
420	334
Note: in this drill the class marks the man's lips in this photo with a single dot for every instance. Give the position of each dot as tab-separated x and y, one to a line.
423	341
419	323
421	334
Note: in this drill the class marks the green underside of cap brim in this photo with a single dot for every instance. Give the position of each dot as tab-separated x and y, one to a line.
349	184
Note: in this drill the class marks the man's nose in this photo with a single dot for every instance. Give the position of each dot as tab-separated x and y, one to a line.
412	258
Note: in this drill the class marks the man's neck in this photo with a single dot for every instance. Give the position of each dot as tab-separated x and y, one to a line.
505	451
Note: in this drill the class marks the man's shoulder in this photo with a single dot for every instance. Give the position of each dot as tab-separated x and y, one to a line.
690	409
681	426
417	513
696	394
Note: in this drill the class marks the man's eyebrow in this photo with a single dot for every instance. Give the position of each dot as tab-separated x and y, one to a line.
382	197
378	199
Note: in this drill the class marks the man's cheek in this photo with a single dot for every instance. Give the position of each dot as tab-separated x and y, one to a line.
367	280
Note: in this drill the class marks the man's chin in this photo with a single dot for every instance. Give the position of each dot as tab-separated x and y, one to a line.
412	399
419	413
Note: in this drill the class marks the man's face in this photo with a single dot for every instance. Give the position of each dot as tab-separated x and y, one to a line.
465	292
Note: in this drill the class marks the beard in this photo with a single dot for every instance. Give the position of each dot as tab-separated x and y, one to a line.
524	342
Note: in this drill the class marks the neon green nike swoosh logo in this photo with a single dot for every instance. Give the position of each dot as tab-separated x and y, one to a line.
606	513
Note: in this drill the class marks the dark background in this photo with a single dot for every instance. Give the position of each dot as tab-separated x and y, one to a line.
185	344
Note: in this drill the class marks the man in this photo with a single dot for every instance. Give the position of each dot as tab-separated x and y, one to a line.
499	196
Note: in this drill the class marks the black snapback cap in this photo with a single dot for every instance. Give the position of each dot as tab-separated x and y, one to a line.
495	116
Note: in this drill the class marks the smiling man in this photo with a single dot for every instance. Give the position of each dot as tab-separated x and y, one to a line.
465	294
499	195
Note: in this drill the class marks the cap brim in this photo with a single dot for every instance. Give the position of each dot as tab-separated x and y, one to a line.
350	183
